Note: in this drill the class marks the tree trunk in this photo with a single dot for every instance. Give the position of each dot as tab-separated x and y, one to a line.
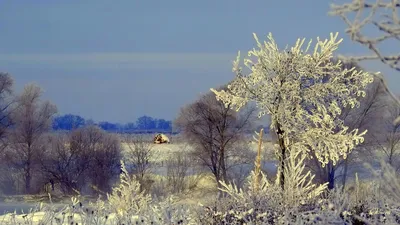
28	175
282	156
345	173
222	165
28	180
331	176
215	169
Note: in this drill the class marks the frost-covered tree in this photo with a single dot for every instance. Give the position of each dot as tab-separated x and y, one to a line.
263	202
303	93
363	118
127	196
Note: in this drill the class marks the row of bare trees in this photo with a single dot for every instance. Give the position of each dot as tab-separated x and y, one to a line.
88	158
32	155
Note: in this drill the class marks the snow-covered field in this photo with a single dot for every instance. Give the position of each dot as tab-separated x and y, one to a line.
163	151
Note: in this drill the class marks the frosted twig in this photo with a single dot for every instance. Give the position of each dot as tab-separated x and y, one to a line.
383	15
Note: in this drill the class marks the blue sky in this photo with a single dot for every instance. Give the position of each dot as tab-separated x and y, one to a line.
115	60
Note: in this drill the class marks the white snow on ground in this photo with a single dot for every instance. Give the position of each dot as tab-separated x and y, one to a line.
163	150
46	218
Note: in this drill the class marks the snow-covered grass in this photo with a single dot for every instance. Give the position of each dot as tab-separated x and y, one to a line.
360	198
185	206
371	201
166	150
204	192
163	151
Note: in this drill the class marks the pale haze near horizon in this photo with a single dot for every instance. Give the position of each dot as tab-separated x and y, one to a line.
118	61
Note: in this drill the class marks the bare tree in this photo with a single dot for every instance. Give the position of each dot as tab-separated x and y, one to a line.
178	167
183	172
32	121
139	154
6	105
213	129
86	156
105	158
387	142
65	164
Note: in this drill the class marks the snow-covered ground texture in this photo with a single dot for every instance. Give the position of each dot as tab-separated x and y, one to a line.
376	200
372	202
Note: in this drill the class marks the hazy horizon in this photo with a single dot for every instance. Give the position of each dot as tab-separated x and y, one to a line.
113	62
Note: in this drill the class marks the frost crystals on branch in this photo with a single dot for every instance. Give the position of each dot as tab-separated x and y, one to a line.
303	93
126	198
388	24
384	17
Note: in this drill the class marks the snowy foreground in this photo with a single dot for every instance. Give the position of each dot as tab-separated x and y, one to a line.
53	218
119	207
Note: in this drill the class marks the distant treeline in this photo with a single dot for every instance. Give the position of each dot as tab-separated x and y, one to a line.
144	124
